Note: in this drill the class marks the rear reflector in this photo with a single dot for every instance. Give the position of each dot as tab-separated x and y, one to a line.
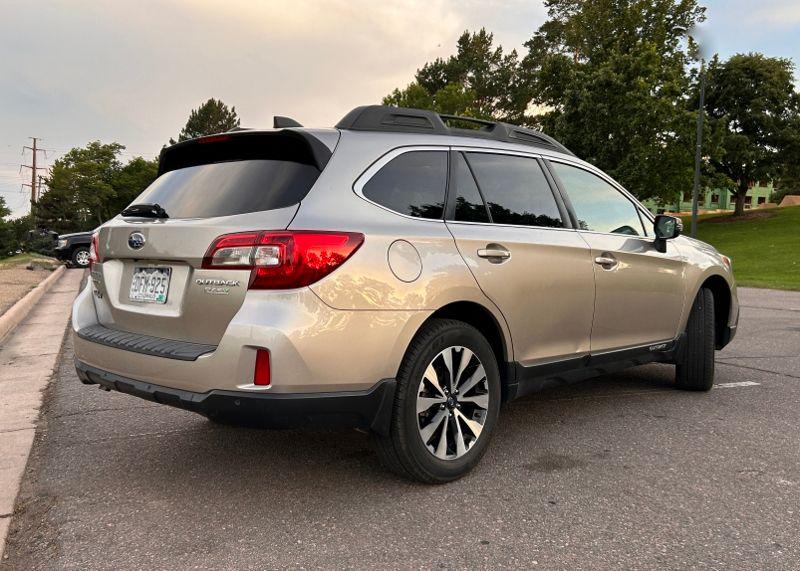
262	375
282	259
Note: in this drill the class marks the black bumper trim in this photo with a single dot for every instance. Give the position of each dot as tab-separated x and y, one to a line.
369	410
145	344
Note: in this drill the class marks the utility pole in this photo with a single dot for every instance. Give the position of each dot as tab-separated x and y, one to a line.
698	149
35	150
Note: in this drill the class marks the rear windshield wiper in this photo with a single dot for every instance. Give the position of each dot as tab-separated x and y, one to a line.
145	211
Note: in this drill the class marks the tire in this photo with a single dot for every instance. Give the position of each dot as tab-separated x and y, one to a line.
695	368
80	257
468	417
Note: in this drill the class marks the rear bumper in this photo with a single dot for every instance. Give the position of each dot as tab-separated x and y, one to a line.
369	410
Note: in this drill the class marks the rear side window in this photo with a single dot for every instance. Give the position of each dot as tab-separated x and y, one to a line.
515	189
469	203
598	205
228	188
413	183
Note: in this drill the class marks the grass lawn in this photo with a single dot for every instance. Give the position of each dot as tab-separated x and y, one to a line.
764	245
25	258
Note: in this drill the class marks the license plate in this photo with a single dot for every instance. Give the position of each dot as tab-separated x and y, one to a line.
150	285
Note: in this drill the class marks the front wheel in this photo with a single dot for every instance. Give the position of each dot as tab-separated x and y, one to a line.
446	405
695	368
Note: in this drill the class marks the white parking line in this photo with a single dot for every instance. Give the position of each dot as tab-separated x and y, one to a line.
739	384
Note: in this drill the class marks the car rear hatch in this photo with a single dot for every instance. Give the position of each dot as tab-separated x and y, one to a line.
149	277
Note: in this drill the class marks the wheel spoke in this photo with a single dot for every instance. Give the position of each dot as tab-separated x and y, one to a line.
441	449
475	427
433	379
480	400
431	427
447	357
424	403
478	376
466	357
461	448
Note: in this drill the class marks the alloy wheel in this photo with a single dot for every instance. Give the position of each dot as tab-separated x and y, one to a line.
452	403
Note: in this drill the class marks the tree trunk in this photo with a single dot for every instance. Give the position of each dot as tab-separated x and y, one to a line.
739	197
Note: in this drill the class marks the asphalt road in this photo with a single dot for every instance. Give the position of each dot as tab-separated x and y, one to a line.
616	472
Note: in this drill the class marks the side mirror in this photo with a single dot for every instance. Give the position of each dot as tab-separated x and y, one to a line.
666	228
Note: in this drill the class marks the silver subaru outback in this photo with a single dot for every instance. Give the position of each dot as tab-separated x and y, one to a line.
404	273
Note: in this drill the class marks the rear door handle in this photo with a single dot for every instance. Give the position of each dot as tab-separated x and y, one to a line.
495	253
607	261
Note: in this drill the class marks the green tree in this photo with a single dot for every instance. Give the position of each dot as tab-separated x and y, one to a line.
610	80
753	99
7	238
211	117
89	185
478	81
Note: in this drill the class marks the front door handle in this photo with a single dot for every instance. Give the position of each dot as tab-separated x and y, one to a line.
495	253
607	261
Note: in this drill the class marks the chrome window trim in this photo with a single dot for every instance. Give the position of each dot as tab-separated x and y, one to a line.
637	206
383	160
495	225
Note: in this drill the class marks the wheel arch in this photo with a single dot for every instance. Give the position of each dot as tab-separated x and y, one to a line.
482	319
722	304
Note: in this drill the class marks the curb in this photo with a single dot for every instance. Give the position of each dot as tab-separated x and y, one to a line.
19	311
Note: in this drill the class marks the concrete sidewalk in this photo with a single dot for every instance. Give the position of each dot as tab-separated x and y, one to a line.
28	358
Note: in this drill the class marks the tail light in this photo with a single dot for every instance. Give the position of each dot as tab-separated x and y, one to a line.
94	250
282	259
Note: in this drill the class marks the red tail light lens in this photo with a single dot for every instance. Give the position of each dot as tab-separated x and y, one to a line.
282	259
94	250
262	375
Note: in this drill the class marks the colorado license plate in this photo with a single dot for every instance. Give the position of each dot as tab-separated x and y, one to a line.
150	285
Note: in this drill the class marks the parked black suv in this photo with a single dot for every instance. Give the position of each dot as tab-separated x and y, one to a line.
74	249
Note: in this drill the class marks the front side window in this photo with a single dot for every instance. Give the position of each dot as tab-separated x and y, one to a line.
413	183
515	189
598	206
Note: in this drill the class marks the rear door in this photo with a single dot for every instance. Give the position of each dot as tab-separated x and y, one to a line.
640	290
514	236
150	278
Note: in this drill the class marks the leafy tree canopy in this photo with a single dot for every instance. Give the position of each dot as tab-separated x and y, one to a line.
752	100
211	117
478	81
612	77
89	185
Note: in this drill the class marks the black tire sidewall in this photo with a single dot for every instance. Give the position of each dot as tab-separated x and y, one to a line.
456	335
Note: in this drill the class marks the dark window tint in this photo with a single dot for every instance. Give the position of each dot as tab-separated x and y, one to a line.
235	187
412	183
598	205
469	204
515	189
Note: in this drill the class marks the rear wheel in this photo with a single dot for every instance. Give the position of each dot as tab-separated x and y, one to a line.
80	257
446	405
695	369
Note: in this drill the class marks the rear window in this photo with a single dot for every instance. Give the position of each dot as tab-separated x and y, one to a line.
228	188
413	183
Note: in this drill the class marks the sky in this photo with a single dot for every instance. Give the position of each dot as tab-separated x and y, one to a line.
74	71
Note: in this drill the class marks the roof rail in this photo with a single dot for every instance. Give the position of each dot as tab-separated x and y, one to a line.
404	120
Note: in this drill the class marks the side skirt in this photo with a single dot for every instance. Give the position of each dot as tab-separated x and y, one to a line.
539	377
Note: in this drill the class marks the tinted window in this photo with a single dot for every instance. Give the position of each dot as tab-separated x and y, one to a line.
598	205
515	190
235	187
412	183
469	204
